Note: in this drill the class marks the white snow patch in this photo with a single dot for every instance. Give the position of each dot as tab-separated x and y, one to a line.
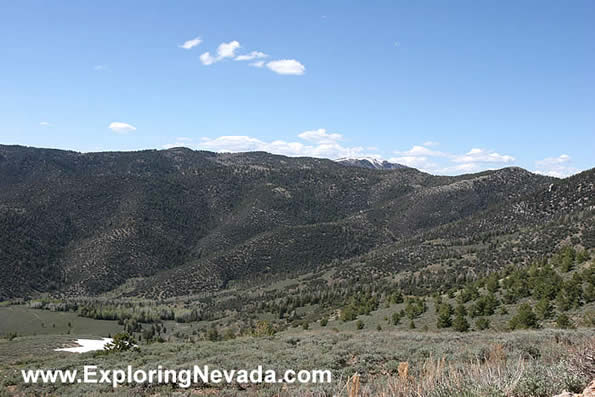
86	345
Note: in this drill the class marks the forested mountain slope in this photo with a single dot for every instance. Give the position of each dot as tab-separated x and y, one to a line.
187	221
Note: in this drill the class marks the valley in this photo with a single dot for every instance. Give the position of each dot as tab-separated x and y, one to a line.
240	259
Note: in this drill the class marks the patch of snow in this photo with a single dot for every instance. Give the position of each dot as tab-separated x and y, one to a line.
86	345
370	162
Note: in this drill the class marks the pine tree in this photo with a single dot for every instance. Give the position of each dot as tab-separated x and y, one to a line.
460	323
562	301
589	293
492	283
543	308
567	259
524	318
444	316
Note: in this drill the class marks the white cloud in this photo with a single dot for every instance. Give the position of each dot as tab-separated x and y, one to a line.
417	150
225	50
207	59
554	173
555	166
431	143
320	136
44	124
323	144
228	50
480	155
422	163
181	141
188	44
552	161
462	168
257	64
232	143
467	167
286	66
251	56
121	128
439	162
475	155
100	68
317	143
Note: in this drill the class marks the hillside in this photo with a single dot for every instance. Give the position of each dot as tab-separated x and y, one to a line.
180	221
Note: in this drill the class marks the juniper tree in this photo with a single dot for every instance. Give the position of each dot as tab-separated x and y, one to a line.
543	308
460	322
444	316
562	321
524	318
482	323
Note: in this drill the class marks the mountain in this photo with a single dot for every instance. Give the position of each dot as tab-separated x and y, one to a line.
370	163
177	222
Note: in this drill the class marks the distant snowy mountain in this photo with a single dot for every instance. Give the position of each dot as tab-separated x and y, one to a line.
370	163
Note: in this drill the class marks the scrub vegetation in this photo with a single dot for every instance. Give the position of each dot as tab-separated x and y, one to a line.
399	282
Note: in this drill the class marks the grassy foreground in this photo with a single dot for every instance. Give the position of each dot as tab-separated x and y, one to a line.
21	320
520	363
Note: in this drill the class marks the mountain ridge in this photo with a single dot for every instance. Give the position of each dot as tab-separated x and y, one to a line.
184	220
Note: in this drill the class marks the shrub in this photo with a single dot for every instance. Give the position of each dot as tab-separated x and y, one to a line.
348	314
562	321
212	334
121	342
229	334
263	328
415	308
482	323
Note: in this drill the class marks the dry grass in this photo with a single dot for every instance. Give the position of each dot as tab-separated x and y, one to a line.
521	364
582	358
494	376
437	377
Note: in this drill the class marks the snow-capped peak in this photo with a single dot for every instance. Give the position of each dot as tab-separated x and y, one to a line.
369	162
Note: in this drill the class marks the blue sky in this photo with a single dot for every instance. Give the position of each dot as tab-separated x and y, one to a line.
448	87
